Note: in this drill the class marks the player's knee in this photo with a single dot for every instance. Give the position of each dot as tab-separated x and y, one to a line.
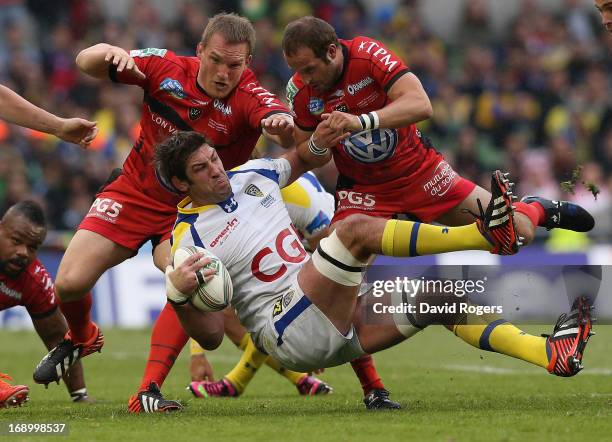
352	231
70	286
210	340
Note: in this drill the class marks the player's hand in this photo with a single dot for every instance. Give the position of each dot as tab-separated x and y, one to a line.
341	121
200	369
120	58
77	131
278	124
184	277
327	137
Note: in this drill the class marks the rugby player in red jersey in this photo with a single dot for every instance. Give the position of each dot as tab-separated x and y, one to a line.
369	98
25	281
213	93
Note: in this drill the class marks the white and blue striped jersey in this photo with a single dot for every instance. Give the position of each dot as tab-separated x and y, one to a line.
252	235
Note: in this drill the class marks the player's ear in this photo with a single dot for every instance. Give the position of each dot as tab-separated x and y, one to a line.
249	59
179	184
199	49
331	52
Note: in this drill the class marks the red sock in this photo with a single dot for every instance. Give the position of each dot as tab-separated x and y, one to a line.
167	340
366	372
78	316
534	211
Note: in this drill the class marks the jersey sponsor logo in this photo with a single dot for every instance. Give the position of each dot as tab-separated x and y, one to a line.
357	200
163	123
378	52
356	87
225	109
287	297
288	247
266	97
292	91
194	113
225	233
6	290
106	209
148	52
268	201
316	106
371	146
443	180
253	190
173	87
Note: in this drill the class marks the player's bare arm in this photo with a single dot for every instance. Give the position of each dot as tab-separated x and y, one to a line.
18	110
94	61
315	147
408	104
279	129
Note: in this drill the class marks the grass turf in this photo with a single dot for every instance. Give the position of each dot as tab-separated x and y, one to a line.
450	392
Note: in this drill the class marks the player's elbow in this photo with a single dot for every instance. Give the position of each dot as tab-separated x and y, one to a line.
92	60
426	109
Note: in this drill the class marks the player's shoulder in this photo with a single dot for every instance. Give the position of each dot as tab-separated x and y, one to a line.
295	87
362	47
167	57
36	276
248	83
266	167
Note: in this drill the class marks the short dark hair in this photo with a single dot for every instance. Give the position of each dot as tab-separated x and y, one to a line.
30	210
171	155
310	32
232	27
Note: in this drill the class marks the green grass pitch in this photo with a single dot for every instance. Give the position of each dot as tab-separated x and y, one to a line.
450	392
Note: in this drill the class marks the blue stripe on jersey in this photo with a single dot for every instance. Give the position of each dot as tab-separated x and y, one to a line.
268	173
196	237
190	218
320	220
289	317
414	235
313	180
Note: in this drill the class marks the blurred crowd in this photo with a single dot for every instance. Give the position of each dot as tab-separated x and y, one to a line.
534	100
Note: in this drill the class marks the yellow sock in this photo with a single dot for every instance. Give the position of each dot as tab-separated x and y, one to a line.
502	337
249	363
244	341
407	238
293	376
195	348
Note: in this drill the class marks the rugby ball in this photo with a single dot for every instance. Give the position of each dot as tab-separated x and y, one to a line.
214	295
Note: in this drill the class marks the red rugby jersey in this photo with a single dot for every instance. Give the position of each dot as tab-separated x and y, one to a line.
33	288
173	100
368	73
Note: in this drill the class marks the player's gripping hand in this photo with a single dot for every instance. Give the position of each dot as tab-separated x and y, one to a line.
77	131
183	280
120	58
326	136
342	122
200	369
